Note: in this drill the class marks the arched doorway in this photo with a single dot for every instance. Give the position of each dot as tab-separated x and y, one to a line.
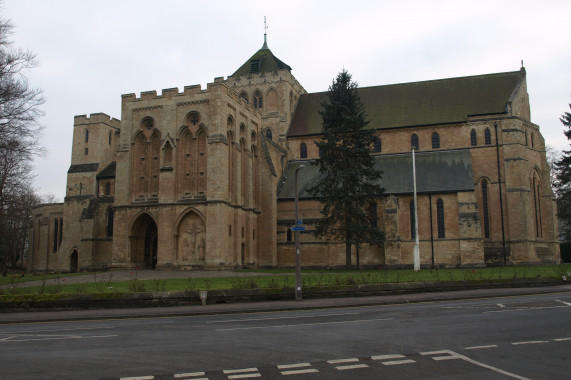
74	261
144	247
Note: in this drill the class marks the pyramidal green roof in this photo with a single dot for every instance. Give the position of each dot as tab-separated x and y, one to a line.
263	61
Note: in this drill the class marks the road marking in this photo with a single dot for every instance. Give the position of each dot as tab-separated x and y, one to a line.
230	371
138	378
299	371
454	355
340	361
565	303
304	324
274	318
245	376
297	365
501	305
354	366
481	347
524	309
530	342
242	373
296	371
561	339
398	362
387	357
190	374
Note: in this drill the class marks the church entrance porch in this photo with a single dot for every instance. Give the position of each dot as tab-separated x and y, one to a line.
143	242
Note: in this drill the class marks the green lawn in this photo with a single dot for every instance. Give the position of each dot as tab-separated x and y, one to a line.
282	278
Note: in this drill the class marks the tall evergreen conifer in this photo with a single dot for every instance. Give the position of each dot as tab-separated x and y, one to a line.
349	186
563	180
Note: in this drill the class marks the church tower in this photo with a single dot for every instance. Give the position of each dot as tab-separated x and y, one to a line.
266	82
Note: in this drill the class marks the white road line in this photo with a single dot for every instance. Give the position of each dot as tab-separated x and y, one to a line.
565	303
455	355
501	305
190	374
229	371
245	376
297	365
304	324
387	357
354	366
340	361
274	318
481	347
138	378
398	362
58	330
530	342
299	371
561	339
523	309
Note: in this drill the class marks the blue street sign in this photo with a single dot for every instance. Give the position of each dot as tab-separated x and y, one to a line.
299	222
298	228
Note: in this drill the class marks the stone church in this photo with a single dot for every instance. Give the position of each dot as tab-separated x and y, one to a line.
204	178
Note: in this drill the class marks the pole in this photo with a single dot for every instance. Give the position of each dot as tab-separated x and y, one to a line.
297	245
416	249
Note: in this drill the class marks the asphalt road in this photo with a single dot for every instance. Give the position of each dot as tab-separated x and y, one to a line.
522	337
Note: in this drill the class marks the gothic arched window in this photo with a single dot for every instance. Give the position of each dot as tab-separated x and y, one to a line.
110	222
486	209
487	137
303	150
414	141
377	147
473	138
440	218
269	134
258	103
435	140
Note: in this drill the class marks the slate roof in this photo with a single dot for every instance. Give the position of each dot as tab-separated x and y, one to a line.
436	172
109	171
419	103
83	168
268	63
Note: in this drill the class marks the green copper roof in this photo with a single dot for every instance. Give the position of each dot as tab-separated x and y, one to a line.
436	172
418	103
263	61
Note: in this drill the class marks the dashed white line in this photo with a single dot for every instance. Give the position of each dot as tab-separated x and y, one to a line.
353	366
300	371
530	342
244	373
506	310
194	375
501	305
565	303
561	339
387	357
398	362
341	361
481	347
304	324
274	318
138	378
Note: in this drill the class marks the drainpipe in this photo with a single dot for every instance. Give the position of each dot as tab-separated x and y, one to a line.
501	199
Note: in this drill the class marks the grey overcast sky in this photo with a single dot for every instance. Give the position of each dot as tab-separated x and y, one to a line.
91	52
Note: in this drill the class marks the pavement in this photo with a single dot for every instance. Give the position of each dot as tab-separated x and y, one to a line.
250	307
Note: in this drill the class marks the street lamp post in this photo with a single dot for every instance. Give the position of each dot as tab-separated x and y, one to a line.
297	245
416	249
